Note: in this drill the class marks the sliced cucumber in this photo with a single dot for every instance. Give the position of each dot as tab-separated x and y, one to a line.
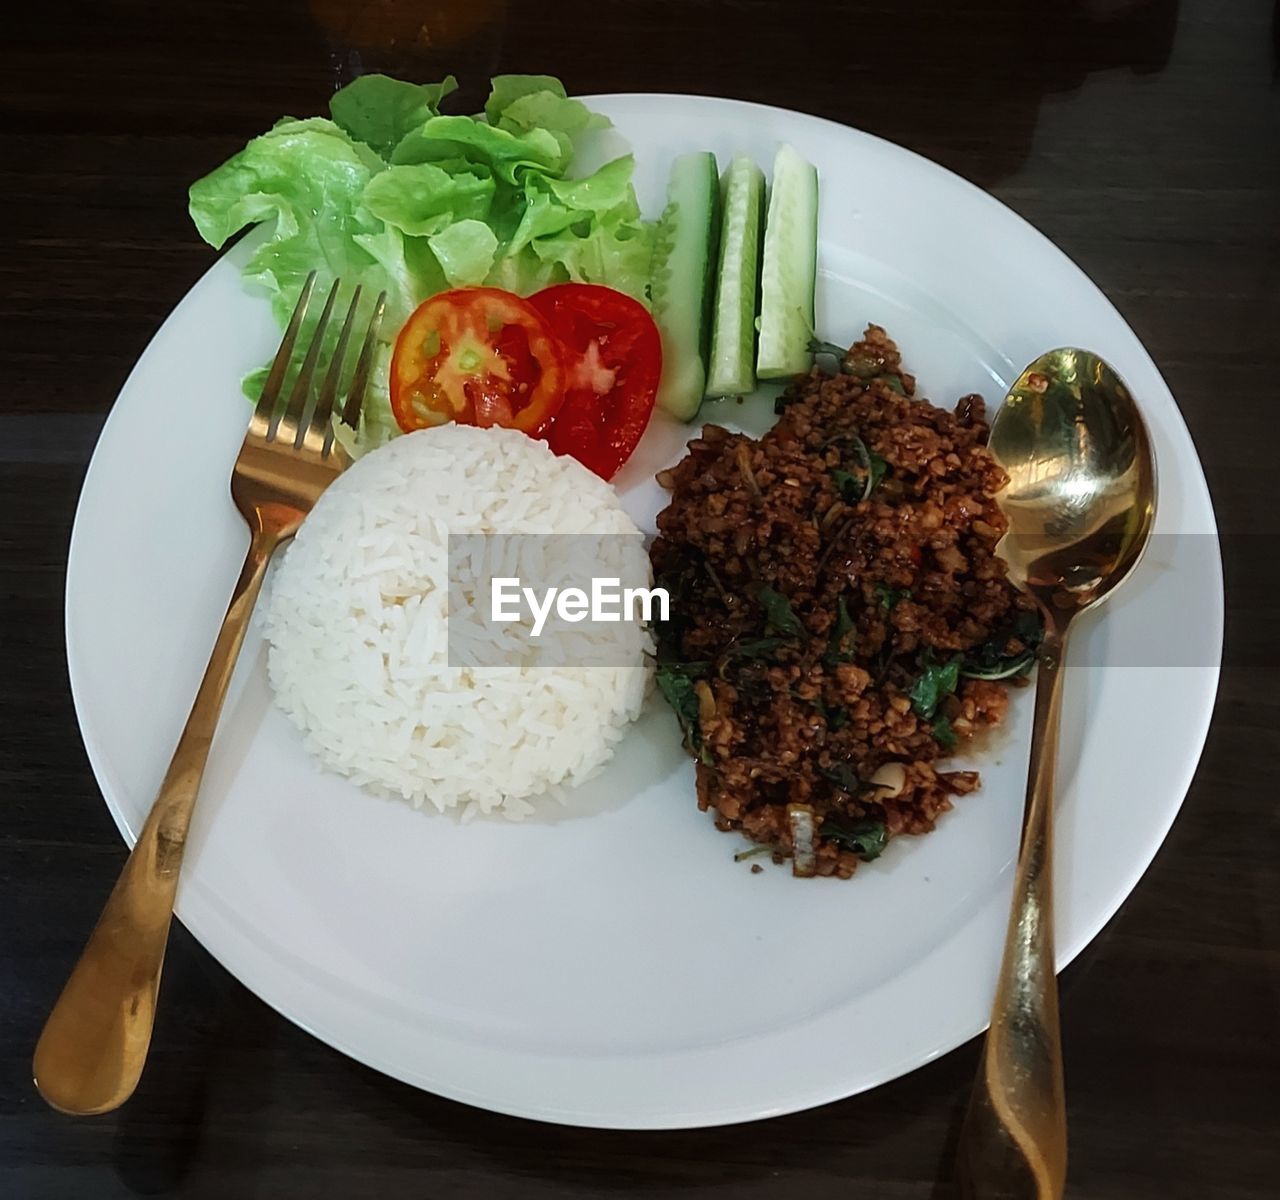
731	368
790	268
681	280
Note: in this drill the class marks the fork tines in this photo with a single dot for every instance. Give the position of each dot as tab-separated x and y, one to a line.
306	420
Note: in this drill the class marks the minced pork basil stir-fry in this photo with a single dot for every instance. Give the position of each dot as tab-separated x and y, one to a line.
840	620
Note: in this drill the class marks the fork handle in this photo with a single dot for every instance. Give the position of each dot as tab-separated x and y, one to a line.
94	1044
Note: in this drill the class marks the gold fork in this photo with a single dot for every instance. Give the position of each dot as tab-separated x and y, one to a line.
94	1044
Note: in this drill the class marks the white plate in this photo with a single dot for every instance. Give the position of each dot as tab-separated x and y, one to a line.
617	968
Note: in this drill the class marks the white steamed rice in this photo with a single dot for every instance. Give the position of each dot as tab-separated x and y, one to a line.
357	622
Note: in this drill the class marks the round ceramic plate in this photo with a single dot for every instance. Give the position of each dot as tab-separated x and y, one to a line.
610	964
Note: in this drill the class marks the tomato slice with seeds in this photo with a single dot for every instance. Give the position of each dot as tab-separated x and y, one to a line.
478	356
613	360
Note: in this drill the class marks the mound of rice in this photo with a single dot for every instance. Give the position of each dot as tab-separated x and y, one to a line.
358	612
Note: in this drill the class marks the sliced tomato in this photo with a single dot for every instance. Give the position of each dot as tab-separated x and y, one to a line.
613	360
479	356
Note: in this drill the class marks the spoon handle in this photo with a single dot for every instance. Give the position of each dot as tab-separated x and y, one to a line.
1014	1140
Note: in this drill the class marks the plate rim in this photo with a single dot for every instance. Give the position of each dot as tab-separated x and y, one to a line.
752	1110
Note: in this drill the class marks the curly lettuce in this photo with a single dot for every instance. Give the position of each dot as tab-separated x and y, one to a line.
391	194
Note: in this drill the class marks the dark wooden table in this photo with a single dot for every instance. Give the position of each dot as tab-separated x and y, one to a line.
1141	135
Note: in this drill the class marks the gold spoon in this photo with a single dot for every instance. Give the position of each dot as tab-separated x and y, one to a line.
1080	502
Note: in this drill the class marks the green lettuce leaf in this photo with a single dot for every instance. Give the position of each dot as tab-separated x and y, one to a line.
377	422
425	198
615	249
588	229
505	153
409	273
605	190
504	90
379	111
465	252
520	103
524	272
544	214
292	174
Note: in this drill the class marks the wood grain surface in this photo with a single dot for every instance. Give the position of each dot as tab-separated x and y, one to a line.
1143	136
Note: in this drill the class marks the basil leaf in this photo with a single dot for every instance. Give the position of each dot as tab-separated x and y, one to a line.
944	735
836	718
934	682
878	468
1028	626
858	487
843	776
849	485
778	613
754	649
817	347
866	838
675	682
992	659
1006	668
748	650
840	647
888	596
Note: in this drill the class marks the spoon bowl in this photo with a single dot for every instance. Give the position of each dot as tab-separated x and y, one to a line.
1082	488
